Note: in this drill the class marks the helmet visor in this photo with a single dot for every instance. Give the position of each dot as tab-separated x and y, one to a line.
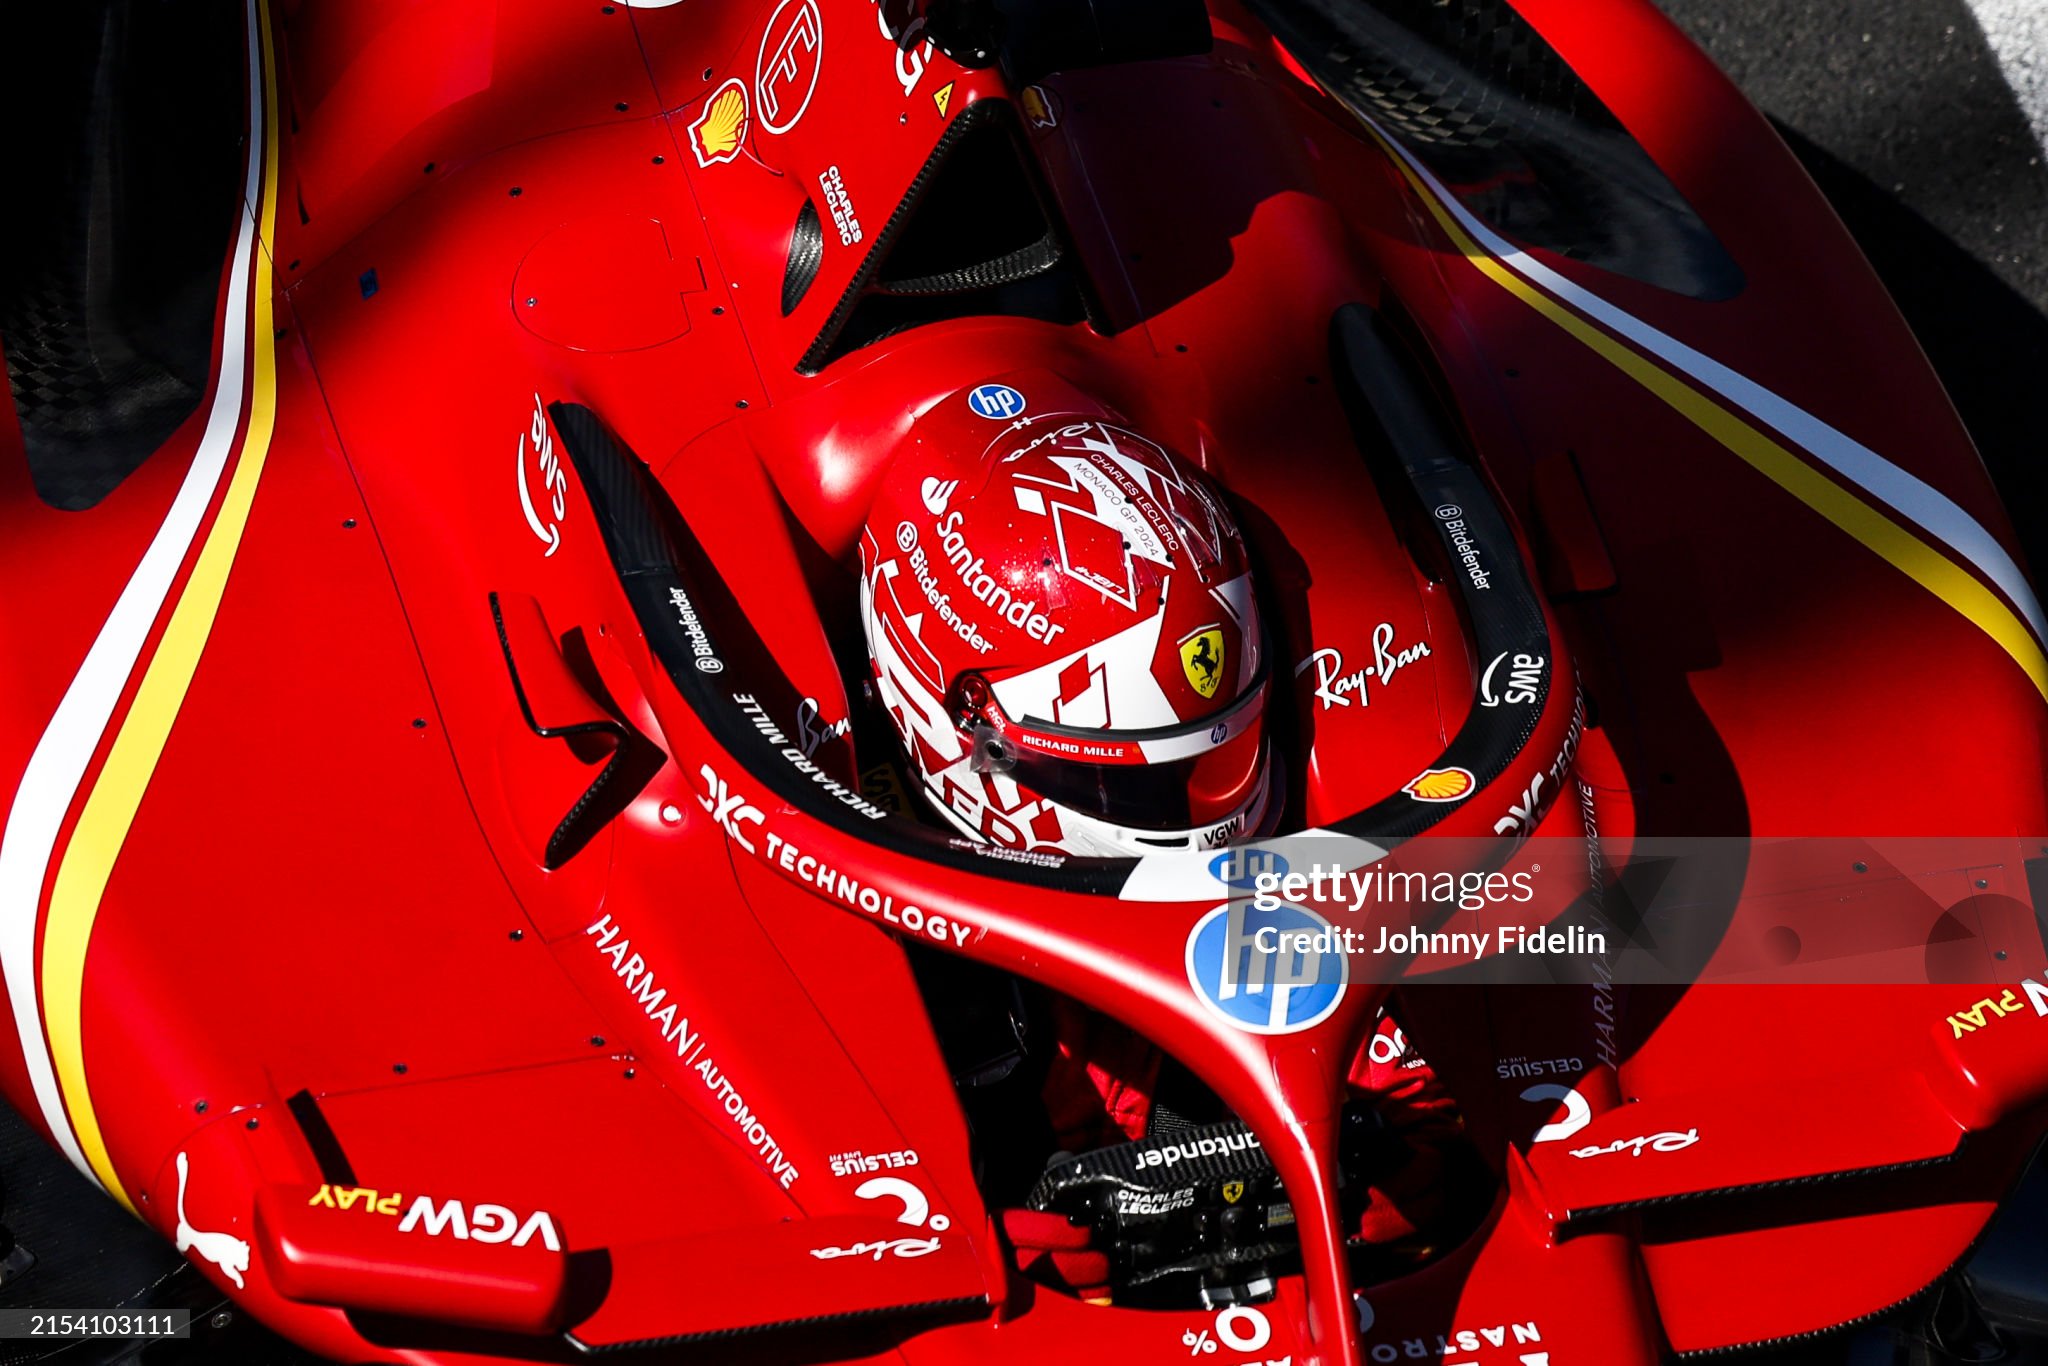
1178	794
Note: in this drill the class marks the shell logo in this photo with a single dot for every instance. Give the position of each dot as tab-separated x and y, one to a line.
1441	784
718	132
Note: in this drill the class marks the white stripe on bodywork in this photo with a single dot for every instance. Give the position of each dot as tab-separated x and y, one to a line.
1905	493
1191	875
58	765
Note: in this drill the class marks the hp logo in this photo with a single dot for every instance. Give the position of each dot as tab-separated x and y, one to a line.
996	401
1267	972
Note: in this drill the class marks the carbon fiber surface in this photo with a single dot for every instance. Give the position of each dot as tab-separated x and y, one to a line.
1476	94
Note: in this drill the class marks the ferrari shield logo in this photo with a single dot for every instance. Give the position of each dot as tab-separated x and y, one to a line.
1233	1191
1201	657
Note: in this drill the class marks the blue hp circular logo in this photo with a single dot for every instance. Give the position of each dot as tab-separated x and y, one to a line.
996	400
1267	972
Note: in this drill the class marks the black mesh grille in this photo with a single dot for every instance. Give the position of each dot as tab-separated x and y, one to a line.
1478	96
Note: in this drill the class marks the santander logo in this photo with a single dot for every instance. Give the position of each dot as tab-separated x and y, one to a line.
936	492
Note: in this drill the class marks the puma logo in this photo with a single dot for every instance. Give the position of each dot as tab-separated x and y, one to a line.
224	1250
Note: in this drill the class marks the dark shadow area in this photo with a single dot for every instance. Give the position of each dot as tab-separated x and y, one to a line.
88	1250
90	1254
1472	90
1988	343
121	210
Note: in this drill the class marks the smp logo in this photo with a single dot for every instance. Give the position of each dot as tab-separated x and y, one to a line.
1523	680
1266	972
1241	869
554	484
786	69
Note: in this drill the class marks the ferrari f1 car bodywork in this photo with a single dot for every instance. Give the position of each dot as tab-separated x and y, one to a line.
454	886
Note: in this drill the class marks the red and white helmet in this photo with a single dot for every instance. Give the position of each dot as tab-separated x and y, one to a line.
1059	613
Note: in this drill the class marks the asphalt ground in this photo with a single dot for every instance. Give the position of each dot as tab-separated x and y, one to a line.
1902	114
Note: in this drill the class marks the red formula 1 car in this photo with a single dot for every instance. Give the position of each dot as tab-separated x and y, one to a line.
461	882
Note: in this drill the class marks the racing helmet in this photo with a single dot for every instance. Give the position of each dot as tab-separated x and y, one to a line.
1060	619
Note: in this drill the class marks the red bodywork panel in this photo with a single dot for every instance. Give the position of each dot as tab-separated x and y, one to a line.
318	909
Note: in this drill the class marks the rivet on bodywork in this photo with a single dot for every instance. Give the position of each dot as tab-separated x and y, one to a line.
671	814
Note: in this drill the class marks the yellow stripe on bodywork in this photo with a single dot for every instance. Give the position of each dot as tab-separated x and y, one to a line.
1911	555
109	811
